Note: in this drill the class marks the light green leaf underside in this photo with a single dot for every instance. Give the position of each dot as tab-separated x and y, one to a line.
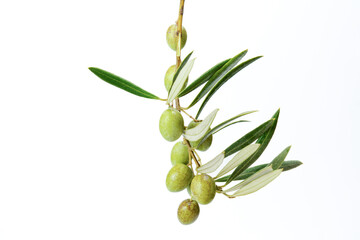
180	80
212	165
183	63
285	166
253	177
224	125
257	184
122	83
200	130
241	156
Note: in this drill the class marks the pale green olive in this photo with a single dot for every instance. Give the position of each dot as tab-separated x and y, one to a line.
203	188
169	76
179	154
178	178
188	211
171	37
205	145
171	124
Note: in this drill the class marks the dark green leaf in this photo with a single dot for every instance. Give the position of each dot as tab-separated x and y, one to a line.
264	141
224	125
276	163
287	165
217	76
248	138
223	80
122	83
179	69
203	78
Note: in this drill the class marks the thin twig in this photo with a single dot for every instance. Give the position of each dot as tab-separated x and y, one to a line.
195	120
192	153
178	46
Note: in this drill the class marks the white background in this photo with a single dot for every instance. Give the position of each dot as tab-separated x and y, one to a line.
81	159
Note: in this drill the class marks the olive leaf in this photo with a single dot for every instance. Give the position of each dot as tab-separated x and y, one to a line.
253	177
202	79
212	165
248	138
180	80
285	166
223	80
122	83
224	125
241	156
279	159
183	63
257	184
264	141
217	76
200	130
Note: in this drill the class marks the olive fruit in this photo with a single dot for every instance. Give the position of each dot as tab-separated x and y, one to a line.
203	188
171	124
169	76
171	37
188	211
205	145
178	178
179	154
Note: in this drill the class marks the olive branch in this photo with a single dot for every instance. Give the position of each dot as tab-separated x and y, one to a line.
198	134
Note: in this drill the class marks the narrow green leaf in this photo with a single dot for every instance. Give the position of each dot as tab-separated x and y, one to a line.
279	159
224	125
264	141
241	156
202	79
258	183
223	80
217	76
180	80
183	63
200	130
212	165
122	83
253	177
288	165
211	132
285	166
248	138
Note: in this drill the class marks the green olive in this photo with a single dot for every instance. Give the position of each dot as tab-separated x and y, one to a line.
169	76
178	178
180	154
188	211
203	188
171	124
171	37
205	145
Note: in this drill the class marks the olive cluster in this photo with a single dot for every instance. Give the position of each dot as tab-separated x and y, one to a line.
201	187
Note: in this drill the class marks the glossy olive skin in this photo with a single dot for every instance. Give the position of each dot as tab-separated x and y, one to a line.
205	145
188	211
169	76
171	37
178	178
171	124
179	154
203	188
